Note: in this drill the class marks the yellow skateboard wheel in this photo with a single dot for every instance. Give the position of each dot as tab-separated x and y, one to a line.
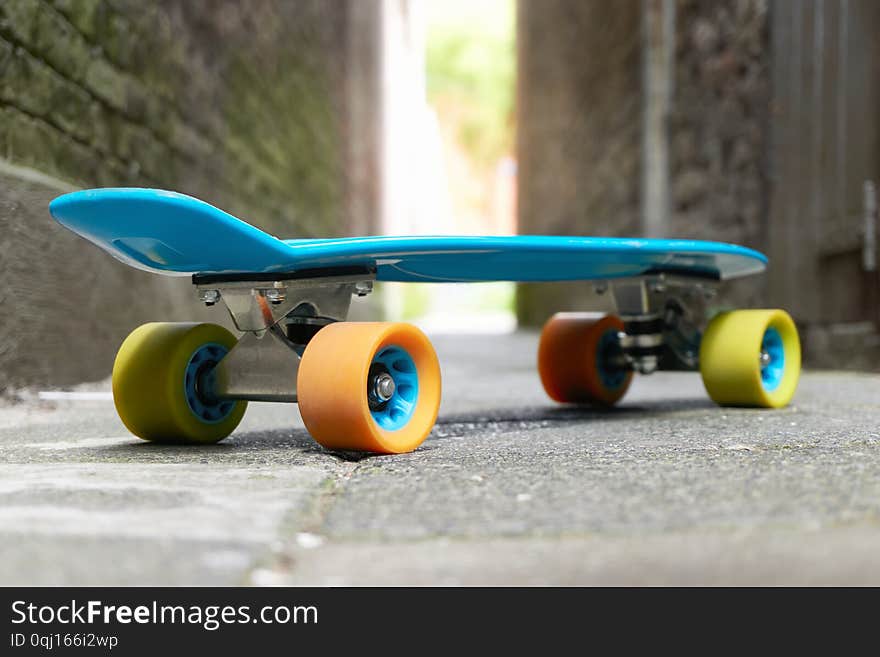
573	359
156	383
369	386
751	358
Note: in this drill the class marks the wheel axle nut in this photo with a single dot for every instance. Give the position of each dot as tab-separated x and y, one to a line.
383	387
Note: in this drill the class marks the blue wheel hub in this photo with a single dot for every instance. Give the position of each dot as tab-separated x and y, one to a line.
392	387
609	348
197	384
772	359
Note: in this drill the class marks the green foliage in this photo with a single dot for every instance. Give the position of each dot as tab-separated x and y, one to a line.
471	65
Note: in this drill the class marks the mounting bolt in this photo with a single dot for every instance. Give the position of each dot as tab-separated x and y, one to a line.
210	297
657	287
276	295
600	287
363	288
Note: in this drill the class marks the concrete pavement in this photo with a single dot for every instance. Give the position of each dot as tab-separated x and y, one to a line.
508	489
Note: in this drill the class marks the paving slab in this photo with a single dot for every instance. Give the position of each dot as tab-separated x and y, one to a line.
508	489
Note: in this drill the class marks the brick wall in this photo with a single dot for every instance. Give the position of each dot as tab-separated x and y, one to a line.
244	104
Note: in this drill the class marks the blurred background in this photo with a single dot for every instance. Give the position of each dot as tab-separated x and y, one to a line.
749	121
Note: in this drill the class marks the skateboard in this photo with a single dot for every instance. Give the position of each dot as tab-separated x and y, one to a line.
375	386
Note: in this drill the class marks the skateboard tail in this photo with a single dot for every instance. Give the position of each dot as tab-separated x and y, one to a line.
69	212
168	233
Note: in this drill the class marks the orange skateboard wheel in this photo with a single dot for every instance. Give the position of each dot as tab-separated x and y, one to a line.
573	357
369	386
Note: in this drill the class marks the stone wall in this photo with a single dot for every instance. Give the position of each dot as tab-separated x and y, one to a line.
579	118
719	129
247	105
581	102
719	124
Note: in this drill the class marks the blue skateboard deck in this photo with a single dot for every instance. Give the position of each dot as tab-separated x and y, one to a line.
174	234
